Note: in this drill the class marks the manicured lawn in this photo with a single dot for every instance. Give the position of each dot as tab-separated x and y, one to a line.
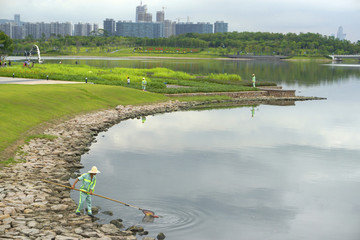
157	78
24	107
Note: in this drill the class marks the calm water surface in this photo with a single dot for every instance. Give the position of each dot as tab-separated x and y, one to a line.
258	172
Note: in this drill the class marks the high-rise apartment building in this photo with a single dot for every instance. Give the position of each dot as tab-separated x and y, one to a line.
79	29
88	29
220	26
148	17
169	28
82	29
17	32
43	30
30	29
182	28
7	28
139	29
109	26
95	27
160	16
17	20
142	27
67	29
142	15
39	30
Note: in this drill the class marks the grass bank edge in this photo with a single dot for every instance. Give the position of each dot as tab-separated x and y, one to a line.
37	105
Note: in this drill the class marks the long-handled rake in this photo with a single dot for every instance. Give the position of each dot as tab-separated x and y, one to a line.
146	212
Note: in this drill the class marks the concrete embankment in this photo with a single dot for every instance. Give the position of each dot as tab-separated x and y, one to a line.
33	209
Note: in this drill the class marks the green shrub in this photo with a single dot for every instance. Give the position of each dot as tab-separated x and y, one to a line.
224	77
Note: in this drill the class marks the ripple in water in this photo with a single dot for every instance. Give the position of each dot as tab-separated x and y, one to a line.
173	217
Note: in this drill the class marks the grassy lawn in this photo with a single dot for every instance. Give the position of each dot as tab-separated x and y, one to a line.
157	78
25	107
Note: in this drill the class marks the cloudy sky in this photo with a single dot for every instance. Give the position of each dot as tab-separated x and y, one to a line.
317	16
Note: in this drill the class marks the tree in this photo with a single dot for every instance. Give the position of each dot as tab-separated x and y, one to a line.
6	43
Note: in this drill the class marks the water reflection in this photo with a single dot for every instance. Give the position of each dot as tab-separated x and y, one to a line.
275	175
253	110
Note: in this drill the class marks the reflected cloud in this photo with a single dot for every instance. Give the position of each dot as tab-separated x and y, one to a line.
230	129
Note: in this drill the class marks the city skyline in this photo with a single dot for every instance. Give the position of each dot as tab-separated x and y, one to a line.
281	16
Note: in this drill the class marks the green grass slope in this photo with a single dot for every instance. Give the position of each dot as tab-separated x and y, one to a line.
24	107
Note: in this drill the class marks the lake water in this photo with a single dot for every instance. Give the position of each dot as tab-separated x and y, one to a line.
257	172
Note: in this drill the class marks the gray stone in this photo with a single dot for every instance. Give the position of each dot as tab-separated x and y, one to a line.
7	220
3	227
4	216
17	223
95	209
110	229
144	233
61	237
60	207
78	230
28	199
89	234
160	236
135	229
29	231
28	211
10	211
117	223
32	224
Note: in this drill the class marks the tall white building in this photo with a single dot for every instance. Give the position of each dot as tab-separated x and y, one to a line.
340	34
142	15
17	20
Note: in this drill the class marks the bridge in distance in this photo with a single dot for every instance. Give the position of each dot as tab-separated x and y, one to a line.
340	57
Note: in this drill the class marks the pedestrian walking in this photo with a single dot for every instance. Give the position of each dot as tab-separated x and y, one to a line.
128	81
88	184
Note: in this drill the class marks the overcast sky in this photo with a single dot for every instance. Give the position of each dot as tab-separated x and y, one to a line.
283	16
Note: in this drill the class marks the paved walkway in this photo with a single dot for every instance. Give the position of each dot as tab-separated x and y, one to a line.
10	80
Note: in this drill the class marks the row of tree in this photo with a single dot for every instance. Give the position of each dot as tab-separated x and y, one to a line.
263	43
256	43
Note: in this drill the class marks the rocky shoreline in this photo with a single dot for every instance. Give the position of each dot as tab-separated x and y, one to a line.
33	209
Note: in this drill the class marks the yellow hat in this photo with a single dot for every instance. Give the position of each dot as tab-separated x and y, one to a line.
94	170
